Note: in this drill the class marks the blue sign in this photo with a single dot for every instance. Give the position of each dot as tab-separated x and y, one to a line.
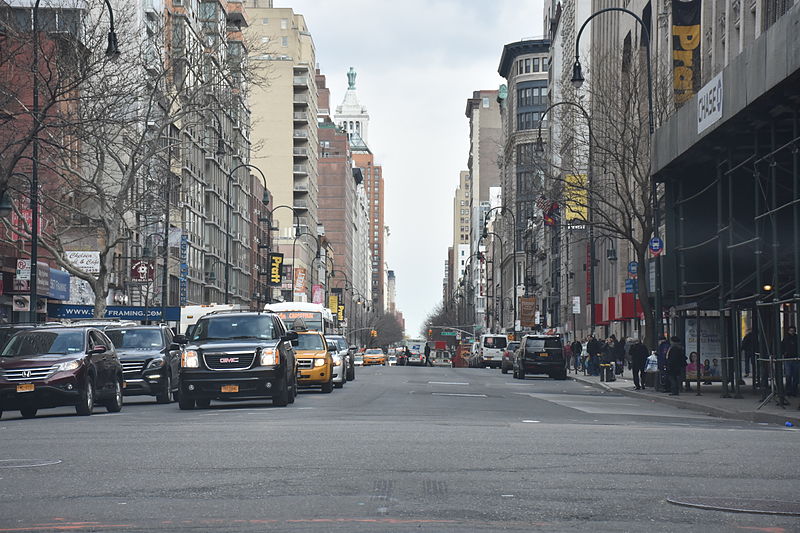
632	285
656	245
633	268
113	311
59	285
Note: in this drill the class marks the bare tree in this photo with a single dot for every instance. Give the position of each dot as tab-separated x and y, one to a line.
112	132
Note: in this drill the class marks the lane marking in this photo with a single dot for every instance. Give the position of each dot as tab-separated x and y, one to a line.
532	421
459	394
447	383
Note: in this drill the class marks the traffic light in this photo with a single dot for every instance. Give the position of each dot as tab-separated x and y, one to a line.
430	333
373	333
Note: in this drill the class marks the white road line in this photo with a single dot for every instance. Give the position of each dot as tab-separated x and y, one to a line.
532	421
459	394
446	383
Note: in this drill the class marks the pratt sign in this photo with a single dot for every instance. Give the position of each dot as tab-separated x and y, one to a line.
275	270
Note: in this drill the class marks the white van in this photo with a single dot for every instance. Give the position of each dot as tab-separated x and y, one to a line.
491	349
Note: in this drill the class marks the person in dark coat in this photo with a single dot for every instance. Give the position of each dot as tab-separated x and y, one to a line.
638	353
618	353
428	355
749	350
662	382
791	367
593	347
577	349
676	365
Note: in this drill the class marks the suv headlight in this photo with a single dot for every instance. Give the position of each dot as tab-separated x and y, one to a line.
190	359
158	362
319	362
66	367
270	357
337	360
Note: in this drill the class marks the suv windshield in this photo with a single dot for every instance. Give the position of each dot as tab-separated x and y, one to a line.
136	338
494	342
309	341
229	327
44	342
534	345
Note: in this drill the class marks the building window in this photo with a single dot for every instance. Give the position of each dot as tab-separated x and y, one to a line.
284	24
284	41
485	103
527	66
519	67
535	64
265	21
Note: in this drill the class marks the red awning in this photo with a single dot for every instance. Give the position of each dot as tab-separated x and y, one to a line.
627	309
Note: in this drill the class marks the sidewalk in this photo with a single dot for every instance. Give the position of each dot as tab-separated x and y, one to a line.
710	400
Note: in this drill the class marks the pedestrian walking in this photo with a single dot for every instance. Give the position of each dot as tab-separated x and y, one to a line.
428	355
791	367
749	352
676	365
638	353
618	354
577	349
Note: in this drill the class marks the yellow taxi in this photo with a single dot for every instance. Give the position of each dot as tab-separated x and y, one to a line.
314	361
374	356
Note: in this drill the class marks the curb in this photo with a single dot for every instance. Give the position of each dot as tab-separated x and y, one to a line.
747	416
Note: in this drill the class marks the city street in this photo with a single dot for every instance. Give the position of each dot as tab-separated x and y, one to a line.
399	449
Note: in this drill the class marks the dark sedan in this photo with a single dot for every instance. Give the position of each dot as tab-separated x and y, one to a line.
52	367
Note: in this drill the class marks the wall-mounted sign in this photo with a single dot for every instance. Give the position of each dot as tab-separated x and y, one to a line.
89	262
685	49
709	103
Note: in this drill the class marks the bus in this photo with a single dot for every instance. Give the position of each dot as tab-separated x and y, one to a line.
315	316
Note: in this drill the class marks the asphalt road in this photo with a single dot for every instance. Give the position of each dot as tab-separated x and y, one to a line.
399	449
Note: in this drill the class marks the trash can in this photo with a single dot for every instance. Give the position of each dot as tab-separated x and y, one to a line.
607	372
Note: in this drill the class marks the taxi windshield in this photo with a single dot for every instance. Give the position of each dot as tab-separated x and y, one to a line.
309	341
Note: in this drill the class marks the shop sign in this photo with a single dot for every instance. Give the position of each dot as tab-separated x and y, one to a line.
87	261
709	103
59	285
275	262
113	311
143	271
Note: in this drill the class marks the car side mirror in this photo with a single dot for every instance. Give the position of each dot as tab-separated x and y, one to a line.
180	340
174	346
98	349
290	336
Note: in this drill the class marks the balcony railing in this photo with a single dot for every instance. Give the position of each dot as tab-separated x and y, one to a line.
300	134
300	152
300	169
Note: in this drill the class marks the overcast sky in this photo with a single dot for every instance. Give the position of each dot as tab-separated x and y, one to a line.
417	61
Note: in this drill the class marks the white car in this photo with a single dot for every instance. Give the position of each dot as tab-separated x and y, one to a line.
392	360
358	360
340	354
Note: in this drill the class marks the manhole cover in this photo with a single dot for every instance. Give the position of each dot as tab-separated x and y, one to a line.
27	463
740	505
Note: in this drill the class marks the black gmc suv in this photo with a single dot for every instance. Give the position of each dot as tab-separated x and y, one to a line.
540	354
151	360
238	356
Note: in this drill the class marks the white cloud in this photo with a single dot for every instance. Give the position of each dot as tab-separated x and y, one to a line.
417	61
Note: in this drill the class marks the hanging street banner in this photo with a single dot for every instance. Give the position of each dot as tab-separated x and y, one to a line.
183	286
333	302
527	312
143	271
299	282
576	196
685	49
275	262
317	294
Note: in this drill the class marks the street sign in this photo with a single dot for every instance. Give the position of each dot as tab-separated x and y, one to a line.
576	305
633	269
448	333
23	270
632	285
656	246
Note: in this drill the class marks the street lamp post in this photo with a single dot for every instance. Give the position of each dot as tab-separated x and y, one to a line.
221	151
539	147
504	209
577	80
112	51
502	291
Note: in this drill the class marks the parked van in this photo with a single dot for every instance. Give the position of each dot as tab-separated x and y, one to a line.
491	349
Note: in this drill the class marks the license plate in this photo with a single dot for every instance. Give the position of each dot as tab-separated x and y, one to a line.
25	387
230	388
544	355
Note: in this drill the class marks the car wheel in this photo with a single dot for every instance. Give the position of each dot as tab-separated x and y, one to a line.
114	405
281	397
203	403
165	396
327	387
28	411
185	402
85	404
504	370
339	385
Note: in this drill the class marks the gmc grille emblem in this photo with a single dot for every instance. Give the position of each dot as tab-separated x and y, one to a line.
228	359
26	373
